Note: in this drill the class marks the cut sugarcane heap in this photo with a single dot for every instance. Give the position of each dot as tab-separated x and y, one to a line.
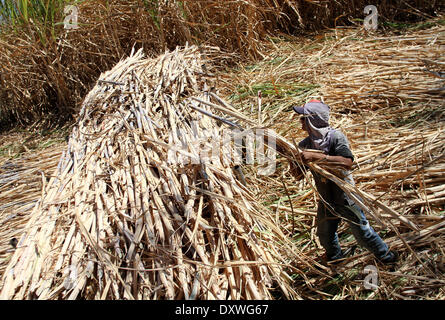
121	220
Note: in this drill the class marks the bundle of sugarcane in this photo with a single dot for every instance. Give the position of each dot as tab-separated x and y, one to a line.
134	212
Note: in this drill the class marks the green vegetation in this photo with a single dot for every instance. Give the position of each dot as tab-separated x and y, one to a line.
24	141
43	17
419	115
276	90
404	26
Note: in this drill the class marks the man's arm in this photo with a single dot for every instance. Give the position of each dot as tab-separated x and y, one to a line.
309	156
340	147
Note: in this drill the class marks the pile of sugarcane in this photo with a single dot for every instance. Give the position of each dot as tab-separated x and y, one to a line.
133	211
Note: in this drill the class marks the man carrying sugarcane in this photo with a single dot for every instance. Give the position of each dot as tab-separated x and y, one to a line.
334	204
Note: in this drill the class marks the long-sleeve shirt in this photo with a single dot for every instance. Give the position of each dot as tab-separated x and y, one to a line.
327	189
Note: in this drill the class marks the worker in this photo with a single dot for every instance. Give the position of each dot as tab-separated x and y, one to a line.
334	203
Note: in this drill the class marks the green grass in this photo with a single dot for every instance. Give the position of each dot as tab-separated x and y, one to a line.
27	141
275	90
259	66
407	26
284	199
418	116
151	7
49	143
287	198
44	17
5	150
301	236
402	26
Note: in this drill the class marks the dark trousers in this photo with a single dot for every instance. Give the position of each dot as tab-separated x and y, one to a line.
327	225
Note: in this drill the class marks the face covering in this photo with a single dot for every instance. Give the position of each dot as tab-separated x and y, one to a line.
317	123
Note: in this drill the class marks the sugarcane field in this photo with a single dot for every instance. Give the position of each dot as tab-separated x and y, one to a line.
210	150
